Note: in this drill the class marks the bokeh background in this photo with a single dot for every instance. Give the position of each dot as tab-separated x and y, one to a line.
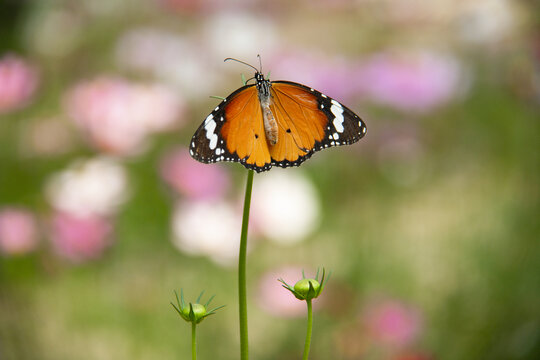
429	224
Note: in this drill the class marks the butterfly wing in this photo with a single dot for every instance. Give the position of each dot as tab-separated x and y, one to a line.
309	121
234	131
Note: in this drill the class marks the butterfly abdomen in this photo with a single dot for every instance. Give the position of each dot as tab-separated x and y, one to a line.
269	122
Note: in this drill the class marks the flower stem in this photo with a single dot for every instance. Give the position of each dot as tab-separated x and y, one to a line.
242	292
309	328
193	341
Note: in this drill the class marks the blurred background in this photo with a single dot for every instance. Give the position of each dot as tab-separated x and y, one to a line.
429	224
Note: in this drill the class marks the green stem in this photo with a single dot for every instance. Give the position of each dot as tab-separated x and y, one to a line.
193	341
242	292
309	328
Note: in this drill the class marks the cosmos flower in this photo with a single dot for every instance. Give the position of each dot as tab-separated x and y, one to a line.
285	206
173	59
18	82
94	187
392	323
276	300
18	231
329	75
117	115
208	228
191	178
241	30
416	82
80	238
487	22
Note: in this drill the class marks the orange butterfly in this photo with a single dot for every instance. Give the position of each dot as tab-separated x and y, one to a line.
274	123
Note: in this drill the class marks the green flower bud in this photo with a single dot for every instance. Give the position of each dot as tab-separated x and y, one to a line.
193	312
306	289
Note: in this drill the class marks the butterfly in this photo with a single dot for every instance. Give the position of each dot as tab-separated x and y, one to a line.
273	123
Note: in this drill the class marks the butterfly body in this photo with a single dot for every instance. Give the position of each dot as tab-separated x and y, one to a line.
265	98
274	123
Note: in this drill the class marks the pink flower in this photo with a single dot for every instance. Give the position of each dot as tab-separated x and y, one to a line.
18	231
117	115
192	178
410	82
78	238
18	82
392	323
156	52
276	300
330	75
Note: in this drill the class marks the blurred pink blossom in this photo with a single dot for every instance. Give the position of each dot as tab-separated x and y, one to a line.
410	82
173	58
118	115
192	178
79	238
276	300
18	231
332	76
18	82
393	323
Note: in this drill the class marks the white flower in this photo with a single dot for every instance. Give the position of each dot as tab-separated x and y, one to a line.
92	187
176	60
240	35
210	228
486	22
285	206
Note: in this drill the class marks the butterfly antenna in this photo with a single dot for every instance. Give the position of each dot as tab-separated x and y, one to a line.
242	62
260	62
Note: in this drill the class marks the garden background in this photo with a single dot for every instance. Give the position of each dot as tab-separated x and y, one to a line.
429	224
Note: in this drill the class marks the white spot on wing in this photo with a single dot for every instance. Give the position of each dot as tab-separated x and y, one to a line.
213	141
210	126
337	110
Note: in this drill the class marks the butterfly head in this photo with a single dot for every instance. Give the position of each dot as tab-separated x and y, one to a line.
263	85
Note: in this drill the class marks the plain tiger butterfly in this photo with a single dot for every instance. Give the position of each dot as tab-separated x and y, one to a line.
273	123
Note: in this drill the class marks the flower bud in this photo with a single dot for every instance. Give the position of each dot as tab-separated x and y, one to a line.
306	289
194	312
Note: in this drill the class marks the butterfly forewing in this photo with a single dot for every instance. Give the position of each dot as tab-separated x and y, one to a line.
207	145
